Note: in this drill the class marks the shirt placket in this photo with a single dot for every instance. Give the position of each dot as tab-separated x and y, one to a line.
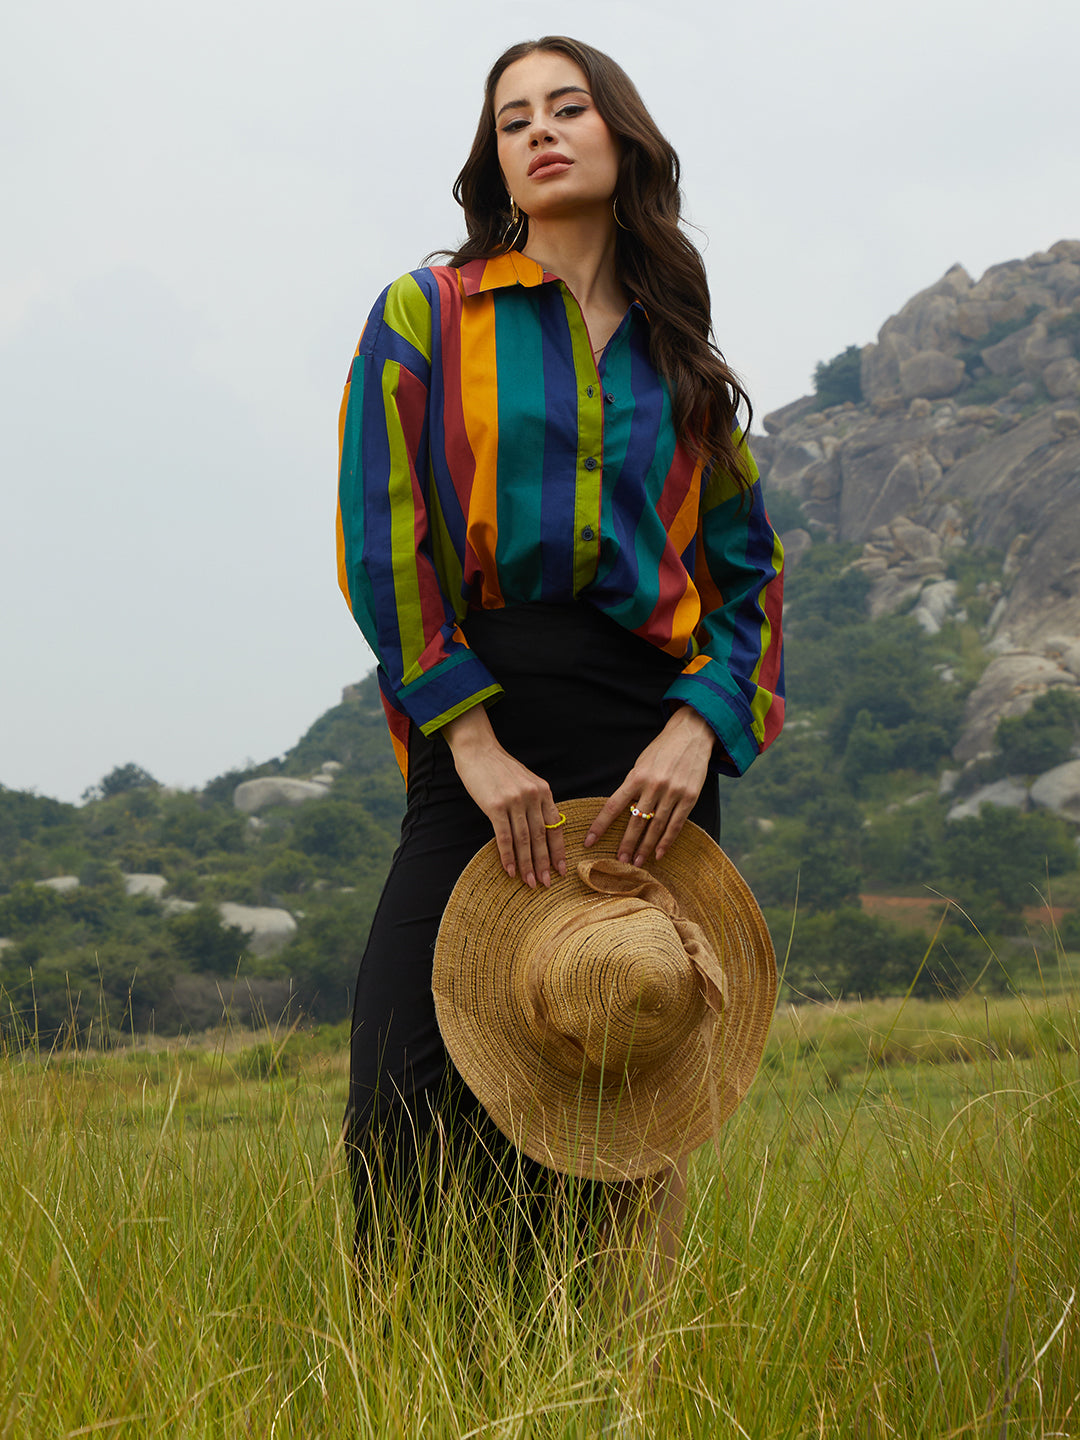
589	461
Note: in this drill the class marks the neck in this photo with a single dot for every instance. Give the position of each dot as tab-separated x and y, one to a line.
580	249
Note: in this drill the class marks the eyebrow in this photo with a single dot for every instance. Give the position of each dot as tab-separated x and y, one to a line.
551	95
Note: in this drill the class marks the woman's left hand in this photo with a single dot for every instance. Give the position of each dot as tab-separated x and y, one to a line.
665	784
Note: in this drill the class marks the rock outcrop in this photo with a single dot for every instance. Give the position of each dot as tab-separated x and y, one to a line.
270	929
251	796
968	434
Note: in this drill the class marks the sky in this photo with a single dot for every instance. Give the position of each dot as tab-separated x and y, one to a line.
203	200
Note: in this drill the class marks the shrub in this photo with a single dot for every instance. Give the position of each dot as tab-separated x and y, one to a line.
840	379
1042	738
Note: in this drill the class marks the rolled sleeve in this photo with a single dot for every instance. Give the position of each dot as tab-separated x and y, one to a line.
735	679
386	568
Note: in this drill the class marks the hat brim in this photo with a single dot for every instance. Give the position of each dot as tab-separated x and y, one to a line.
581	1125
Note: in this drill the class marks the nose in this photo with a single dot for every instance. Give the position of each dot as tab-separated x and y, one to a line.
539	136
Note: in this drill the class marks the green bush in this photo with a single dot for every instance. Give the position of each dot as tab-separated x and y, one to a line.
1044	737
839	380
1003	857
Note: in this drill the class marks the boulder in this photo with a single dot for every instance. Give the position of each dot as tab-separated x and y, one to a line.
936	601
1008	687
1059	790
1066	422
1004	358
915	541
60	883
1062	378
780	419
892	591
251	796
152	885
930	374
1009	794
270	929
880	369
1038	350
173	906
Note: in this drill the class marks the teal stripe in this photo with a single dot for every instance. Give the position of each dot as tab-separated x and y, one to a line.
523	417
351	500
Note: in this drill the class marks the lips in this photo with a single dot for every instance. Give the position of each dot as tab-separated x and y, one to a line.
549	157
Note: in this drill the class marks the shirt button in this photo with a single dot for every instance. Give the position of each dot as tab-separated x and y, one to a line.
591	391
588	533
610	398
590	463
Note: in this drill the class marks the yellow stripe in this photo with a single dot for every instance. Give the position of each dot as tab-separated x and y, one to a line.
402	532
480	406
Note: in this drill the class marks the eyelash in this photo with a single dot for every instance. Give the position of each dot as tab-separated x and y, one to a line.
569	111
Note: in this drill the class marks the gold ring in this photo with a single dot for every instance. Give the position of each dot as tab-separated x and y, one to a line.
560	821
642	814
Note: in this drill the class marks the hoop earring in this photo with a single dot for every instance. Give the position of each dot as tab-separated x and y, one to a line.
515	224
615	212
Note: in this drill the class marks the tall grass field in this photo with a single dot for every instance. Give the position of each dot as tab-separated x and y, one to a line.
887	1244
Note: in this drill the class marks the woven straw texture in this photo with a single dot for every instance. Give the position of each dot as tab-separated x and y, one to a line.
611	1024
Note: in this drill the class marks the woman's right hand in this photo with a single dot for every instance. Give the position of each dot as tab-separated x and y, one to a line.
518	803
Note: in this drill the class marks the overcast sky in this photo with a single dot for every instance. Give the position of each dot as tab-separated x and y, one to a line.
202	201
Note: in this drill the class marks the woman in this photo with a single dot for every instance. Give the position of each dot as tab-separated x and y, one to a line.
550	534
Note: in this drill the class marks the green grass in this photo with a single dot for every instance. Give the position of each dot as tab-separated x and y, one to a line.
888	1244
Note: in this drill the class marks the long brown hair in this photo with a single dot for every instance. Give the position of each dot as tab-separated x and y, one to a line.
655	261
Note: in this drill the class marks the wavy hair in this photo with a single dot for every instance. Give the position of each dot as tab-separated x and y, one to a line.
654	259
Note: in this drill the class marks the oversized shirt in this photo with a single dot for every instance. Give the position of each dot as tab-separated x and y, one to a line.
487	459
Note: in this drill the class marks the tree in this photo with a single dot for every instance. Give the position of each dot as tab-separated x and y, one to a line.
1004	856
119	780
1042	738
839	379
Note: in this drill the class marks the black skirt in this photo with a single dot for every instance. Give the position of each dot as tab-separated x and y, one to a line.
582	698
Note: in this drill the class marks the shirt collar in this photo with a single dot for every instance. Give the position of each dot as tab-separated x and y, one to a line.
501	271
512	268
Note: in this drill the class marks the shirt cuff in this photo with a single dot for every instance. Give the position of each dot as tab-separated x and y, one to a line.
450	688
725	713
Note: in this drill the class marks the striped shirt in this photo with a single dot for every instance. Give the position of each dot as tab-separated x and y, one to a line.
486	459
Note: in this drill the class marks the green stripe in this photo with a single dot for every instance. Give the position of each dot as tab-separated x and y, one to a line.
402	531
408	313
481	697
590	443
519	481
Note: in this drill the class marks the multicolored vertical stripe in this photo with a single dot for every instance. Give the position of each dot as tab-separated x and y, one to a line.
488	460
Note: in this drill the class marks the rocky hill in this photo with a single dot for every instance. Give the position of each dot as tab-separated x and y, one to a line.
966	436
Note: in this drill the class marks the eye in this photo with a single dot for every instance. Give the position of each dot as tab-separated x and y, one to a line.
570	110
512	126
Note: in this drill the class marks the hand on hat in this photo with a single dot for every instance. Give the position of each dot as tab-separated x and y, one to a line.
664	786
518	803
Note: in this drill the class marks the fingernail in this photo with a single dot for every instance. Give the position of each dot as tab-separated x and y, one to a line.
561	867
530	880
639	859
624	858
510	871
590	839
545	879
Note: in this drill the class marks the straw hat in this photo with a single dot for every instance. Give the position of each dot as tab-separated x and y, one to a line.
608	1025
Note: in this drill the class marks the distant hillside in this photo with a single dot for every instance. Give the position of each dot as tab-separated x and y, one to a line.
929	496
111	912
958	434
